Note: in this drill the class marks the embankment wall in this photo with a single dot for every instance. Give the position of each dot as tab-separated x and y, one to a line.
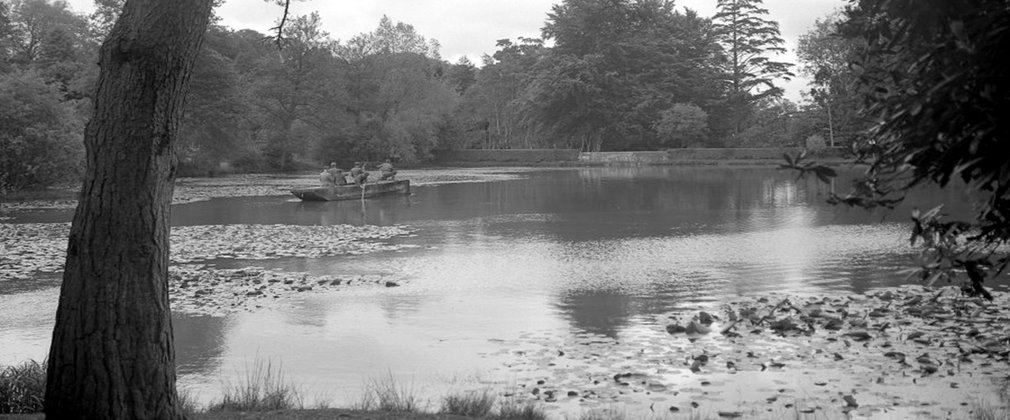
568	157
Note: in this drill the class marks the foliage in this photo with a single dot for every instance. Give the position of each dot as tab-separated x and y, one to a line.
803	167
32	21
40	137
577	100
493	112
603	77
825	56
104	16
748	40
615	66
389	38
683	125
462	75
22	388
934	77
217	102
775	122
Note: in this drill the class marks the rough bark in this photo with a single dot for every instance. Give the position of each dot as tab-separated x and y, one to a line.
112	355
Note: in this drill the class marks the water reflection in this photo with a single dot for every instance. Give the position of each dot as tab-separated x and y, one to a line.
199	343
599	312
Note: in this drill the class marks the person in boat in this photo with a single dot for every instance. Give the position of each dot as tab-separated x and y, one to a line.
338	174
386	171
358	173
326	178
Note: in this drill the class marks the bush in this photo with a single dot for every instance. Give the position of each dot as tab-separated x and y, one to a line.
683	125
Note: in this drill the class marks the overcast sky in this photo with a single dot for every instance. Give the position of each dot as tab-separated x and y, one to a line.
471	27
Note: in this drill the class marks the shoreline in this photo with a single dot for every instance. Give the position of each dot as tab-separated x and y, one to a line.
196	189
906	352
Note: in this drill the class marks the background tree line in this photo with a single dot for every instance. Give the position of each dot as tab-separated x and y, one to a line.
605	75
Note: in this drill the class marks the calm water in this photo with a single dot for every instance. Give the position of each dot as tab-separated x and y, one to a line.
585	252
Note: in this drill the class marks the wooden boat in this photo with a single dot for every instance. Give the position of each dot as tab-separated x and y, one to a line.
353	192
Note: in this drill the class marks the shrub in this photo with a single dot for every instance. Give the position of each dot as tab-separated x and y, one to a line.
682	125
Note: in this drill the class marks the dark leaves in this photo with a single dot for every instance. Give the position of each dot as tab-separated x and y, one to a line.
805	167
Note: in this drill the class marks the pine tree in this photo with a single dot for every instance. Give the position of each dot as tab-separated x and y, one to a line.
748	40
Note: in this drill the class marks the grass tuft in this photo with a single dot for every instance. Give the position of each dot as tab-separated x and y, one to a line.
23	388
385	394
986	411
514	409
604	414
187	402
470	404
262	388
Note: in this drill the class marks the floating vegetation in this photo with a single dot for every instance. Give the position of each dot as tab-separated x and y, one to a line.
200	243
189	190
902	352
201	290
27	250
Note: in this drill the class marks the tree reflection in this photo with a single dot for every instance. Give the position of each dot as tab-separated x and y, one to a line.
199	343
599	312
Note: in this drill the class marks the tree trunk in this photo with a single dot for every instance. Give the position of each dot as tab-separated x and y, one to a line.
111	355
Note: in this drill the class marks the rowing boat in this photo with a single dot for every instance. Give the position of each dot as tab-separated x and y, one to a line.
353	192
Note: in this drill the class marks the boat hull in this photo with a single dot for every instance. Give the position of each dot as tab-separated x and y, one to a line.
353	192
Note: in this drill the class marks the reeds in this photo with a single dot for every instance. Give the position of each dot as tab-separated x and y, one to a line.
470	404
23	388
514	409
385	394
262	388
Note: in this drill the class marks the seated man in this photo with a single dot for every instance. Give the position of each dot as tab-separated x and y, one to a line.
338	174
358	173
386	171
326	178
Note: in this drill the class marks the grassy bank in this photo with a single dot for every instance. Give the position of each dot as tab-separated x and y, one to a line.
263	392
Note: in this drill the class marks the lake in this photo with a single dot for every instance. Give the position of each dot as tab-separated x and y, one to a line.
492	270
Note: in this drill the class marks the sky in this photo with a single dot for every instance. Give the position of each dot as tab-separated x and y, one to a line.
471	27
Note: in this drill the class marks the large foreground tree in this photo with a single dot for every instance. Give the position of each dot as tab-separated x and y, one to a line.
112	354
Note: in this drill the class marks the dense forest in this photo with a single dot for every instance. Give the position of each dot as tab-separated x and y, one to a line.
605	75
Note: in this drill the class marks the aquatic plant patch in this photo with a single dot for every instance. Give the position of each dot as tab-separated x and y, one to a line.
28	250
908	352
198	289
200	243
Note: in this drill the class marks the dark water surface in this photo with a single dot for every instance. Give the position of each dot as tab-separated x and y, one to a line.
605	252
